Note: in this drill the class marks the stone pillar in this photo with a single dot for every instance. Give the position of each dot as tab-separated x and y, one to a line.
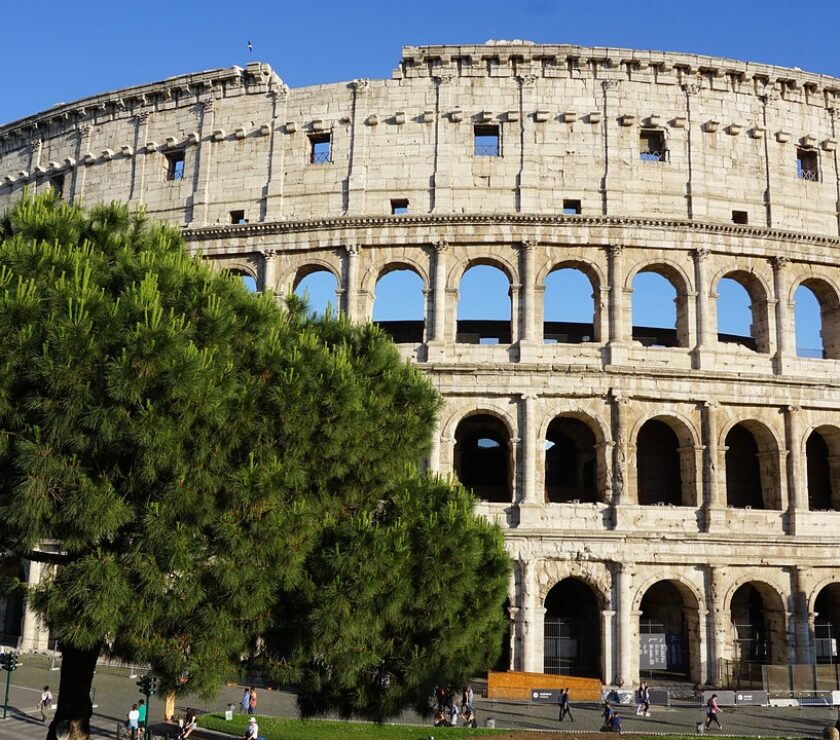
609	674
138	161
714	489
802	630
269	276
80	171
34	634
796	473
528	335
514	613
273	209
444	157
357	168
718	619
203	158
529	162
438	335
532	617
705	334
624	597
785	350
434	452
351	280
618	408
35	149
618	338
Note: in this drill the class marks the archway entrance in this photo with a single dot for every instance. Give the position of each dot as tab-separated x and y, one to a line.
758	623
668	630
482	458
572	635
570	462
827	624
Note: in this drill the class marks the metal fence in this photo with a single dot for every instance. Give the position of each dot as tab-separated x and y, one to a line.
780	681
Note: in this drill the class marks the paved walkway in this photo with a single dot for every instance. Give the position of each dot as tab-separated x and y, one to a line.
116	691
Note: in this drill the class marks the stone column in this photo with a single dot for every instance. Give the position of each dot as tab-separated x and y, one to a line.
442	183
351	284
528	334
357	169
269	276
514	613
35	149
803	628
529	162
717	621
138	161
273	209
532	617
796	474
34	634
624	596
202	181
618	408
618	338
714	490
705	334
434	452
80	172
608	670
438	334
785	351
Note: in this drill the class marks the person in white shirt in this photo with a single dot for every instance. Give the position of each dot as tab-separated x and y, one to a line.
252	732
134	721
46	703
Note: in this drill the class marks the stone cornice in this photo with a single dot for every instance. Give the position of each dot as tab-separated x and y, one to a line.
256	77
565	60
340	223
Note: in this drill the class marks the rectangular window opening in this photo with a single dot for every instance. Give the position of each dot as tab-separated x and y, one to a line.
57	184
238	217
571	207
740	217
321	148
175	165
399	206
807	164
487	141
652	146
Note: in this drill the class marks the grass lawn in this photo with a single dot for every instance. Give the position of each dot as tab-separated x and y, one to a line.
280	728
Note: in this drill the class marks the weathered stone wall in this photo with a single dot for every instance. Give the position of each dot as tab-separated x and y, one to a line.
570	123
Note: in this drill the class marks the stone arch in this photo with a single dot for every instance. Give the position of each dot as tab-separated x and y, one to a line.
486	407
828	298
313	265
758	292
821	444
572	629
459	269
674	476
751	483
565	331
377	271
670	608
758	629
402	329
238	266
483	456
826	610
817	586
484	329
674	273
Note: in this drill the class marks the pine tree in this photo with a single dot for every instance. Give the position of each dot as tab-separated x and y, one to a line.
184	453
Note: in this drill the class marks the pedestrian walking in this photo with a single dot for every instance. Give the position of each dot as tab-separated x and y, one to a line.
608	715
45	703
565	705
712	711
246	699
252	702
141	707
133	721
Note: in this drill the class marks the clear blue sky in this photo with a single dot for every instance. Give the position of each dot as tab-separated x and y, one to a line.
61	50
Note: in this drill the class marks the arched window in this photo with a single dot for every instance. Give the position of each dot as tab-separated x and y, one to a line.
734	314
319	288
759	622
669	617
571	634
482	458
398	305
659	309
752	469
570	462
484	307
827	624
809	341
658	465
822	453
569	307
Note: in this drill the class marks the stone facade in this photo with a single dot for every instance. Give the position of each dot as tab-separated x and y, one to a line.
612	162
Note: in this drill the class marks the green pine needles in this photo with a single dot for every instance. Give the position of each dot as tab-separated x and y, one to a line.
199	468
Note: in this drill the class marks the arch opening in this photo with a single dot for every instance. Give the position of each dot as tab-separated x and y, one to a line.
827	624
669	631
319	288
758	625
817	317
741	312
572	634
570	462
483	459
569	307
659	308
658	464
398	305
751	469
484	306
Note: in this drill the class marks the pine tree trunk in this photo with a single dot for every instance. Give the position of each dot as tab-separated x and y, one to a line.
74	705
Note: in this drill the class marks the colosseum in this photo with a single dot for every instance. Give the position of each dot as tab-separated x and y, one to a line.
670	495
